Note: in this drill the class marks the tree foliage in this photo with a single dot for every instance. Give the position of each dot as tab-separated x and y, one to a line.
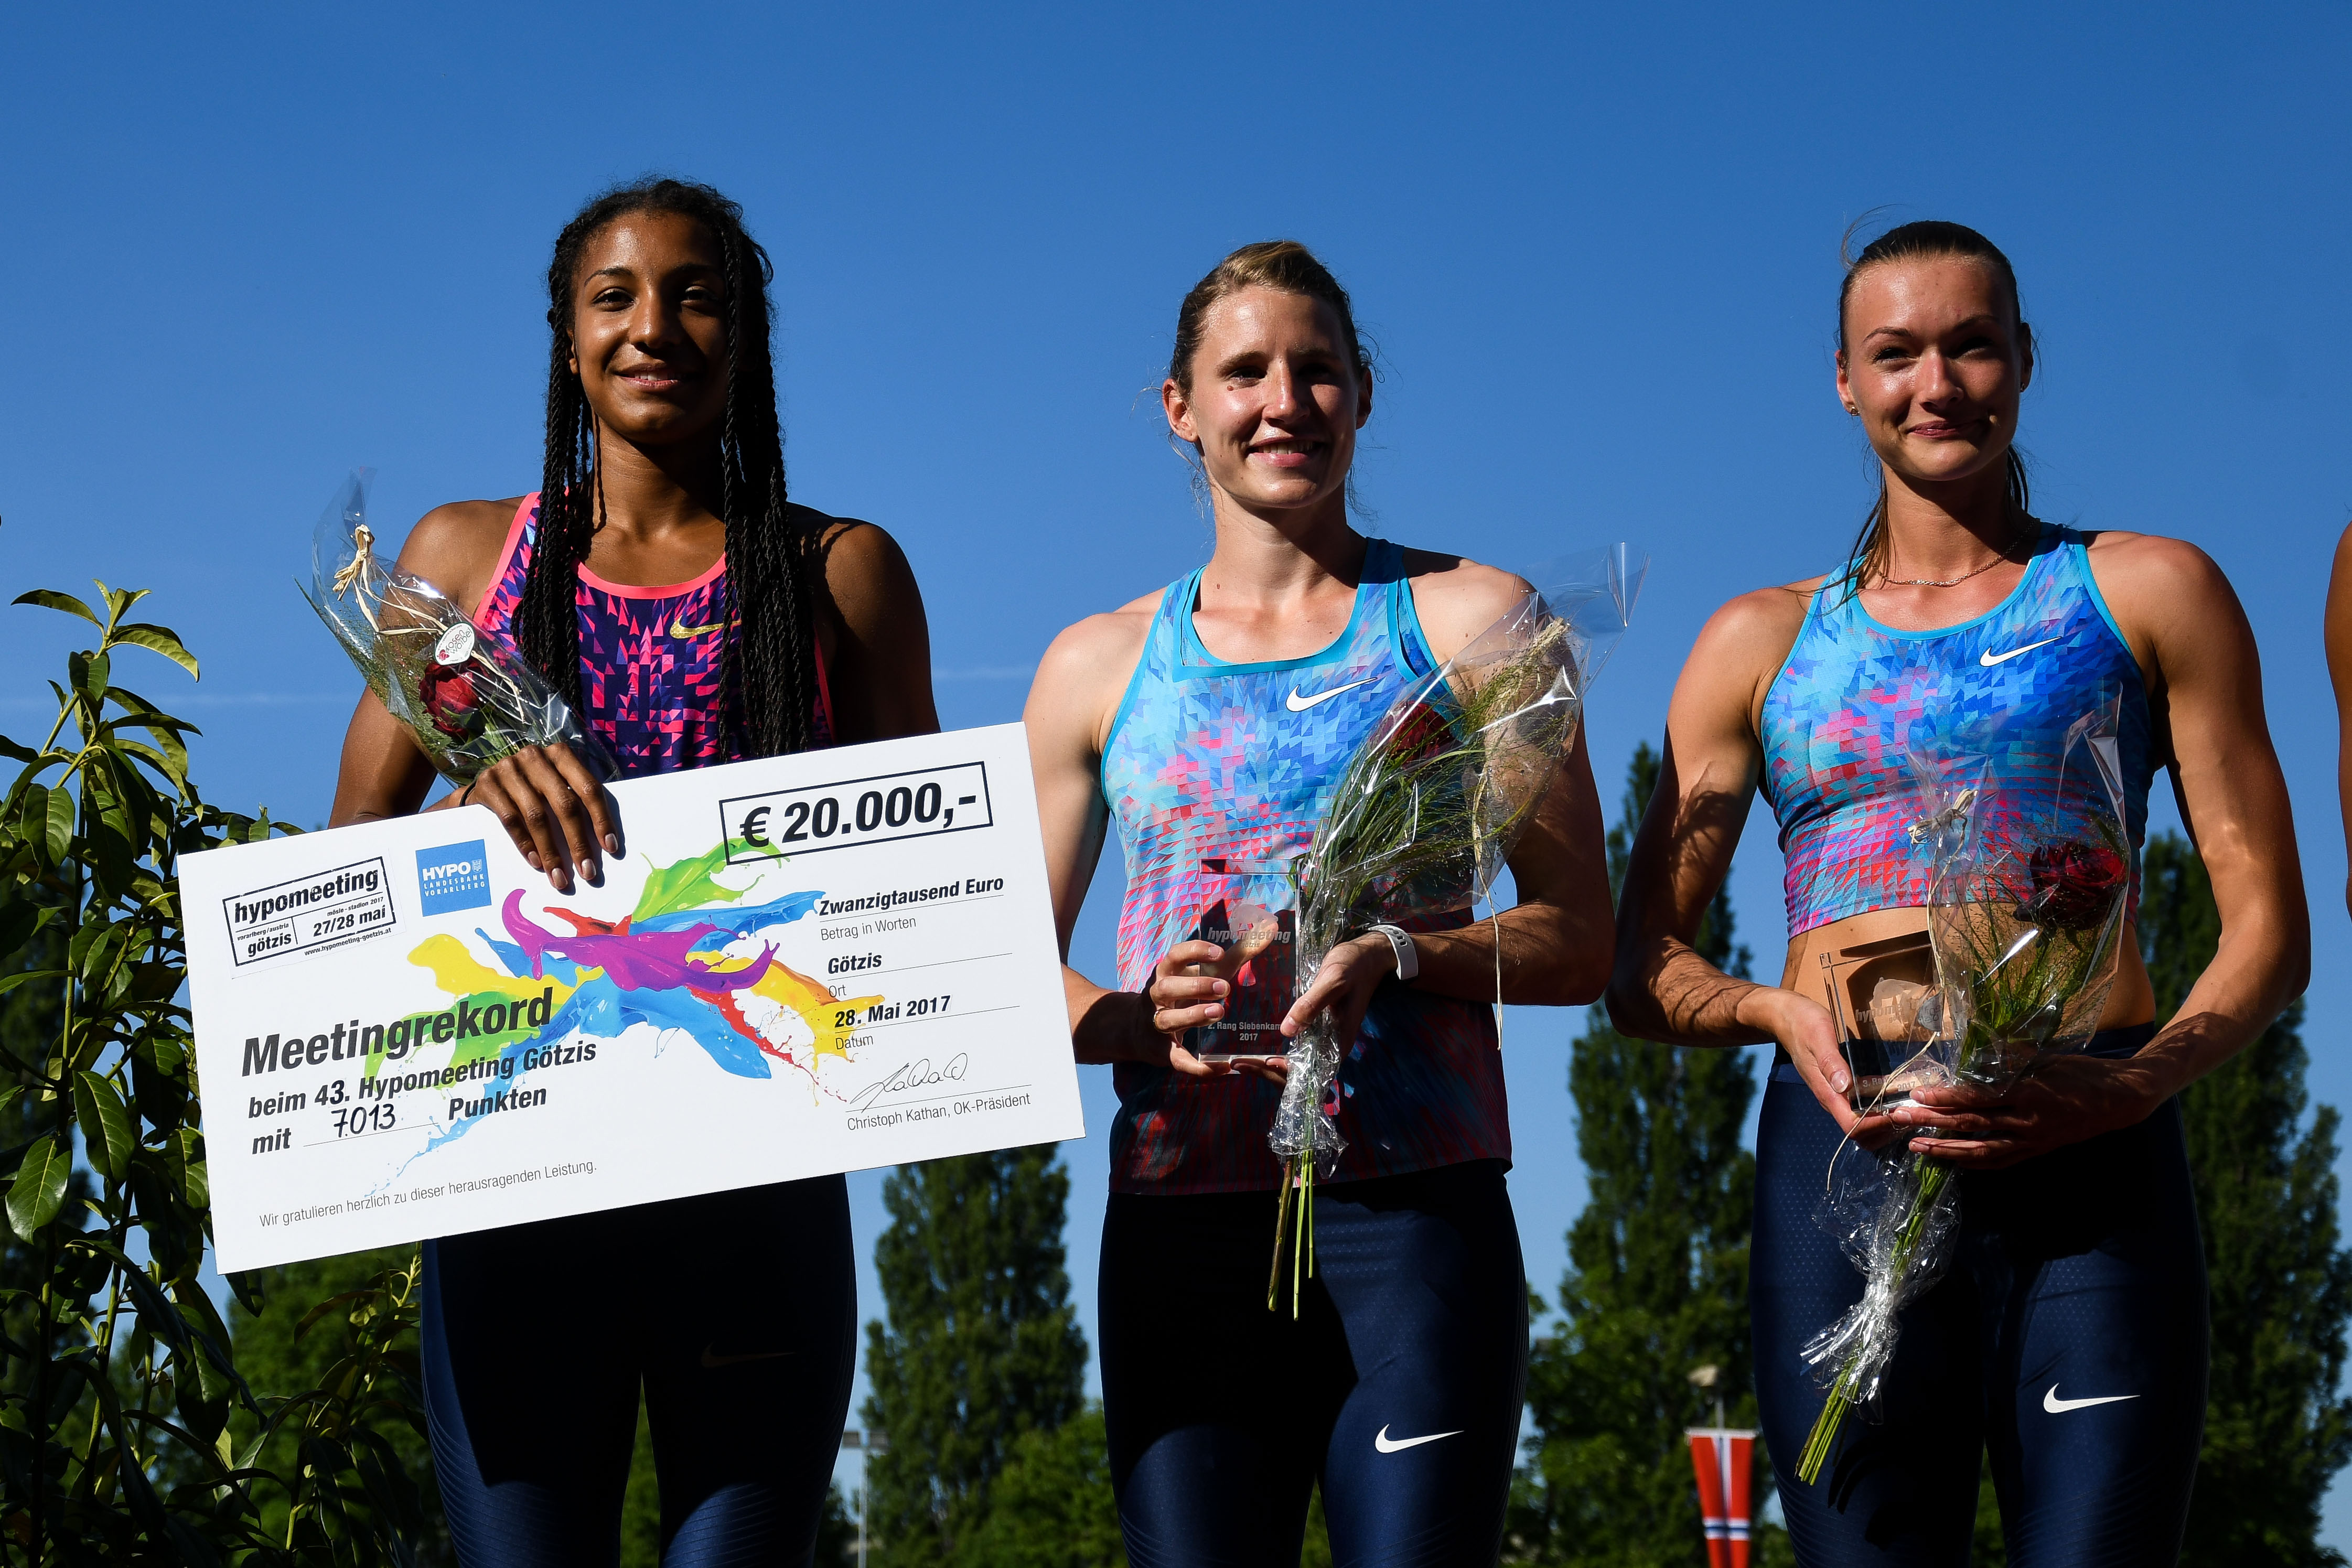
1051	1505
29	1015
982	1345
1657	1282
2277	1429
118	1379
277	1361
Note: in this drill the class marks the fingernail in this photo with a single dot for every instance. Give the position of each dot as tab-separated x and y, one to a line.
588	870
532	860
1840	1081
612	844
1222	987
1216	1011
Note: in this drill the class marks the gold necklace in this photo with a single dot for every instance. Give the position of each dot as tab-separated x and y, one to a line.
1887	582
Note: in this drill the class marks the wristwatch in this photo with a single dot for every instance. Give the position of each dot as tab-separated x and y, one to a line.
1408	960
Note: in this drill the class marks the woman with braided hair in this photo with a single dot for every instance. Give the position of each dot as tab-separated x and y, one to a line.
661	580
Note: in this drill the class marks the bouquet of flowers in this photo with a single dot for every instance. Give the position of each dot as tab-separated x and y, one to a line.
2025	915
468	697
1425	814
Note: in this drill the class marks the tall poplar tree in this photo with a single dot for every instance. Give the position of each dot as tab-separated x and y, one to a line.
982	1345
1657	1280
2277	1429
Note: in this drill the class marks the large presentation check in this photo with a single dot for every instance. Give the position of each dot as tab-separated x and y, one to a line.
800	965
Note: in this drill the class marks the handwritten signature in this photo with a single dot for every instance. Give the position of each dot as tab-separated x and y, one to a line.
914	1075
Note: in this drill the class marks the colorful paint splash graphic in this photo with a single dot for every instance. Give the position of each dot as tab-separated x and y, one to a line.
664	963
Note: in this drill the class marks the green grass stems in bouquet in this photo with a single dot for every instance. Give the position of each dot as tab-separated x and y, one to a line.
1423	817
2025	917
467	697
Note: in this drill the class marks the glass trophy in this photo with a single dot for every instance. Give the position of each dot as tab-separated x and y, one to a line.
1257	925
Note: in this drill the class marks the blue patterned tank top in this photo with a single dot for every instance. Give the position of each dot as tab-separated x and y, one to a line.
1216	774
1841	713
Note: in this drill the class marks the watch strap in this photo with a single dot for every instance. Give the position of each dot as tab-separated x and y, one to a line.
1408	958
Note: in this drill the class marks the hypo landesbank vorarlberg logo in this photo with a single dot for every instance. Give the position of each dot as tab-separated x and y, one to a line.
453	877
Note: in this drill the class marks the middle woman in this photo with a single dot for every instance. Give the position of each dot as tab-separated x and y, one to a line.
1213	718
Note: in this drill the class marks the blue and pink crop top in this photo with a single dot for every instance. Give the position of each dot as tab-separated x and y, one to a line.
1855	695
650	661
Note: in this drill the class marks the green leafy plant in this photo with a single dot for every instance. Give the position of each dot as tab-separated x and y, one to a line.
118	1376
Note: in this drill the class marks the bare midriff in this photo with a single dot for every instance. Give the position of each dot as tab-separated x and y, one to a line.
2133	1000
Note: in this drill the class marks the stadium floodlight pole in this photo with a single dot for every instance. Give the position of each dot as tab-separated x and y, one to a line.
1709	1378
1723	1462
865	1445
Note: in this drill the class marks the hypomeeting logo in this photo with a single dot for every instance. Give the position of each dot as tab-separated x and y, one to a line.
453	877
327	909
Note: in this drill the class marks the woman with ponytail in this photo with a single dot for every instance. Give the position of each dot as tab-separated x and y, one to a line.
1212	720
2066	1341
660	579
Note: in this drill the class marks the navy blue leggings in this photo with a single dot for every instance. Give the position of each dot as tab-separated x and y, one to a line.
2067	1342
736	1315
1399	1386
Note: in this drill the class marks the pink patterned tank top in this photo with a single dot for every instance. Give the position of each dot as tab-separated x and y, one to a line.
651	660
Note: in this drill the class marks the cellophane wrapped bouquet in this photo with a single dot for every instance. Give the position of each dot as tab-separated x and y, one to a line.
1424	817
2025	914
467	697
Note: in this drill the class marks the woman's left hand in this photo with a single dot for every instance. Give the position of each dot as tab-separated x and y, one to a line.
2064	1101
1345	984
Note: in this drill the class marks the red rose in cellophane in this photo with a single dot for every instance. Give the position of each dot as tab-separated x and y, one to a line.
2074	885
447	692
1424	733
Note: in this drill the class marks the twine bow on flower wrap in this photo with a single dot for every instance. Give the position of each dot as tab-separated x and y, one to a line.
468	698
2028	890
1425	815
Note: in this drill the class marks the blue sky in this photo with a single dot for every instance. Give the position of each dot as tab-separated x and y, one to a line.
250	247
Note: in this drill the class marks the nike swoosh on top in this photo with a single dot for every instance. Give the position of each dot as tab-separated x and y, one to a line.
1298	704
679	628
1384	1446
2057	1407
1989	658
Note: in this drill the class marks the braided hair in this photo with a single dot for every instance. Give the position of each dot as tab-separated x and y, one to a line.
768	678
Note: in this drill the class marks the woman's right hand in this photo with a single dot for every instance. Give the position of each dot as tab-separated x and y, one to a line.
553	808
1804	1030
1189	988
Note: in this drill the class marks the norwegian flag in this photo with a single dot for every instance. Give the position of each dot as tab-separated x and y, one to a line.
1723	1461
